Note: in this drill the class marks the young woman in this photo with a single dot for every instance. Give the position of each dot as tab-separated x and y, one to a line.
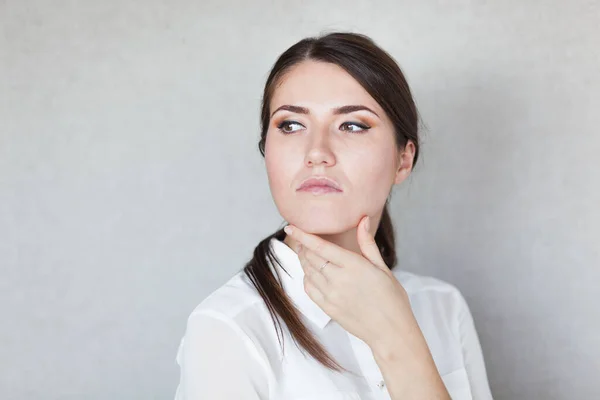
339	130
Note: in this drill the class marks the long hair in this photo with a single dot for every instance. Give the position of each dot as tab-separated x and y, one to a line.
377	72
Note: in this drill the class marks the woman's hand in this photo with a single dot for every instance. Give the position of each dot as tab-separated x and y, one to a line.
362	295
357	291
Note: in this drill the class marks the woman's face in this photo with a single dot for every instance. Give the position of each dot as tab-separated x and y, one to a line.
357	149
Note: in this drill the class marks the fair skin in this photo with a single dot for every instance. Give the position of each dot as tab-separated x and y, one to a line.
356	288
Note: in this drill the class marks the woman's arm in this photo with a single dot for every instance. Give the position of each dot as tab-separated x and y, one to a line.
361	293
218	362
407	365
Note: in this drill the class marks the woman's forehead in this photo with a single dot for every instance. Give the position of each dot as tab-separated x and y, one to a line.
319	85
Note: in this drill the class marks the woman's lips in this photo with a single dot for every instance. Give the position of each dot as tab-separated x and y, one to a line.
319	189
320	185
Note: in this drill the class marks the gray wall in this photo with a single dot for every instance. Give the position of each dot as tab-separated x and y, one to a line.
131	185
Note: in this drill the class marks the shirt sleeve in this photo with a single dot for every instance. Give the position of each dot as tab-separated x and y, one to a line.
217	361
472	353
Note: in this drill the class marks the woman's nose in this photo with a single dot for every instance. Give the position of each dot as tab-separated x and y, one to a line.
319	149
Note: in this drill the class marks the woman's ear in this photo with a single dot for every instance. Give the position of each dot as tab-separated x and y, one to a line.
405	161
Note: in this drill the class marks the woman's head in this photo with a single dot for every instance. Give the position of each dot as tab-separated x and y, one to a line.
366	151
337	106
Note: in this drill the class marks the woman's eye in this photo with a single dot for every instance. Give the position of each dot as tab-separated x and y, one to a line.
285	125
288	127
360	127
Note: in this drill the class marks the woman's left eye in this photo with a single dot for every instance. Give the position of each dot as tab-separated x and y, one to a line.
360	127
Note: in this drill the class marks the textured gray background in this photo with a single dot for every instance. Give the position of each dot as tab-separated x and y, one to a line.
131	185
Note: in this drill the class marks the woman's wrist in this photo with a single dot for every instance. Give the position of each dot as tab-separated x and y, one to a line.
407	365
399	343
394	334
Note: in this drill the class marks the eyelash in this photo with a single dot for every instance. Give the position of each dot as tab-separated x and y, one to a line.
285	122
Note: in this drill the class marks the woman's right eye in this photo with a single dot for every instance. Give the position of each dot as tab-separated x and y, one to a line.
284	126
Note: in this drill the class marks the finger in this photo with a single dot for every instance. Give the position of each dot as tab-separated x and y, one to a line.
310	264
325	249
317	262
314	292
367	244
312	276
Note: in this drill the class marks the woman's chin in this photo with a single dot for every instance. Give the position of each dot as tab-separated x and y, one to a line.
321	227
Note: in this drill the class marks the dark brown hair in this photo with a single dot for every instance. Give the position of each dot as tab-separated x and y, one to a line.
377	72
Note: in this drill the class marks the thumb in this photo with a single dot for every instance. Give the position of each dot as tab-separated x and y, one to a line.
367	244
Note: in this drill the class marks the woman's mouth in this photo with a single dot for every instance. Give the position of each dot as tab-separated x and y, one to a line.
319	185
319	189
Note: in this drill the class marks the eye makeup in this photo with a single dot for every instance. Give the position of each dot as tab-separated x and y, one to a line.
286	123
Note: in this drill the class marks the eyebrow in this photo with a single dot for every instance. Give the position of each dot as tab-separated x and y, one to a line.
336	111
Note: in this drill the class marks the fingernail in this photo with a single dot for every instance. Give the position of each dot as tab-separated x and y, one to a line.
298	248
367	224
288	229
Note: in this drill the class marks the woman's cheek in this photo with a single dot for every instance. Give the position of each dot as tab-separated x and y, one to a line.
281	183
375	180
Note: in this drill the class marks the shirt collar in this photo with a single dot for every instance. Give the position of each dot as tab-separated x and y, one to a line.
293	284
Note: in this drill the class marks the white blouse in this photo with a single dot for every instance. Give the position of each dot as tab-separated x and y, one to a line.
230	348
